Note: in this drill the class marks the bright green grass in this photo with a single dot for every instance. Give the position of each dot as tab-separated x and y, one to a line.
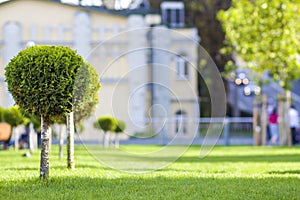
226	173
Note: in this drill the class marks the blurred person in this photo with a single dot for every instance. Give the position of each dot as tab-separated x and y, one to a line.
24	139
273	124
270	109
294	124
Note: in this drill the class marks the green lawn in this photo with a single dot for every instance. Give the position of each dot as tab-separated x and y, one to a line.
226	173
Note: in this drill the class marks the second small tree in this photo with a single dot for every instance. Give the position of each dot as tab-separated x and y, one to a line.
107	124
14	118
120	128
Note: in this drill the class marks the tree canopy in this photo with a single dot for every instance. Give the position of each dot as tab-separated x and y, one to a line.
85	92
106	123
265	34
41	79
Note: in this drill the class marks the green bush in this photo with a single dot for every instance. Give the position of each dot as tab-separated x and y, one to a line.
13	116
41	79
120	126
105	123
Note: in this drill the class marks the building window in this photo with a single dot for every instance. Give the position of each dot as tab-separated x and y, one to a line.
180	122
182	67
173	14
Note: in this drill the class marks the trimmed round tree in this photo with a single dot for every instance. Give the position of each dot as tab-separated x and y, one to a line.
85	93
107	124
13	116
85	99
119	129
41	81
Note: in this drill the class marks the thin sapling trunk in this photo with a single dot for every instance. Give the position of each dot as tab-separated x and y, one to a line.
45	137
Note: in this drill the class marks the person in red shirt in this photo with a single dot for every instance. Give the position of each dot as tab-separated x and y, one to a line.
273	123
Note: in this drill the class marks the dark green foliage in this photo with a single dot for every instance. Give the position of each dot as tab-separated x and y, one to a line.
86	90
41	79
120	126
85	94
106	123
13	116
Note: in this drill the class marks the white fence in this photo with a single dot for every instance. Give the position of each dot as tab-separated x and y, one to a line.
222	131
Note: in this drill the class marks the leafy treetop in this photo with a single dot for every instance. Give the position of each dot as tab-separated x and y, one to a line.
41	79
265	34
86	89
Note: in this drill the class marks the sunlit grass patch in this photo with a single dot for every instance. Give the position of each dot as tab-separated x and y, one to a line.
226	173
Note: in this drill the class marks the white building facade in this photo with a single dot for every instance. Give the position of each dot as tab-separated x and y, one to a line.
148	72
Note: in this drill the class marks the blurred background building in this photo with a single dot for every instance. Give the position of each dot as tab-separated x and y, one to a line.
147	60
146	53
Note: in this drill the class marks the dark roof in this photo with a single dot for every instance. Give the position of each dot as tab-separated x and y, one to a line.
124	12
102	9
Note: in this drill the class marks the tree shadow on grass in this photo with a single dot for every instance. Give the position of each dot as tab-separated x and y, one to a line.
21	168
209	158
78	166
285	172
153	187
242	158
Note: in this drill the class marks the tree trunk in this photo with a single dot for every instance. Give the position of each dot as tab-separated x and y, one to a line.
32	144
264	120
45	137
117	143
284	127
106	140
287	117
103	139
70	141
61	140
256	131
50	139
